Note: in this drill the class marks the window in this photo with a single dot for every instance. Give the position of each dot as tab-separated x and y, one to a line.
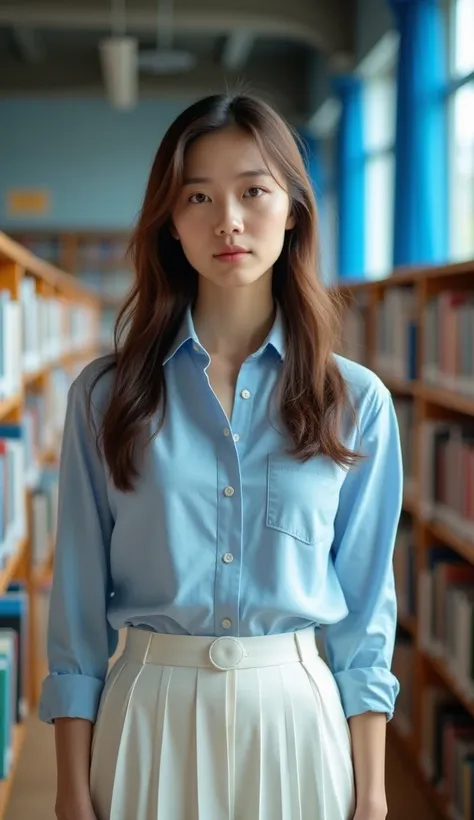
461	129
379	137
324	126
378	70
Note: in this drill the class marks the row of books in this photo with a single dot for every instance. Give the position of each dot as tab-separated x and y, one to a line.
90	250
114	287
447	756
448	337
52	327
447	474
13	523
35	331
396	333
11	354
446	614
21	467
14	606
111	251
46	247
449	341
43	416
354	332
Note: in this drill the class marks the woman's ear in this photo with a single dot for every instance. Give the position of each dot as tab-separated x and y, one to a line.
290	222
173	231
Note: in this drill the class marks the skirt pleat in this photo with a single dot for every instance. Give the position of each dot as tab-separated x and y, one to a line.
194	743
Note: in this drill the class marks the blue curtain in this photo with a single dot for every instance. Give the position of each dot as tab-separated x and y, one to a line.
350	178
421	198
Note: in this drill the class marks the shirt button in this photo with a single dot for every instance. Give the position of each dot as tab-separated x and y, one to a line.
196	347
228	558
226	623
236	437
226	431
229	491
245	394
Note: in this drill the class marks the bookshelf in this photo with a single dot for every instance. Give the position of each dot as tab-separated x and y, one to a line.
96	257
49	329
415	329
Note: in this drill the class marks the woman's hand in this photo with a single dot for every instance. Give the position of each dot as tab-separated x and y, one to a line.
371	812
84	811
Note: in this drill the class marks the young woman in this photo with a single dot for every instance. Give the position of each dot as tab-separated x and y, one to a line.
229	488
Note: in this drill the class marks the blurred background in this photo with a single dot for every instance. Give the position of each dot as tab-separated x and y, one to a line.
382	93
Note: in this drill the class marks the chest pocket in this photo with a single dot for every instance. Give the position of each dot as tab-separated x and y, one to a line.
302	498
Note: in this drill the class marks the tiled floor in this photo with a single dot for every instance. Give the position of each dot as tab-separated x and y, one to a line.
33	791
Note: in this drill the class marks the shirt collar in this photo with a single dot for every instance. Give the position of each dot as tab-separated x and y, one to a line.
187	334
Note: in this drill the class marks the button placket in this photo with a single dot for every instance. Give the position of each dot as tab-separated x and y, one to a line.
229	566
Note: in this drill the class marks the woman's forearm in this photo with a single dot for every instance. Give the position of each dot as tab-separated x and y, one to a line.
73	738
368	732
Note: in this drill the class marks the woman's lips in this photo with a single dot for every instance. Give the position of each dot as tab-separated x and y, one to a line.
232	254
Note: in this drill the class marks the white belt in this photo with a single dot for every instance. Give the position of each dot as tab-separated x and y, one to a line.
223	653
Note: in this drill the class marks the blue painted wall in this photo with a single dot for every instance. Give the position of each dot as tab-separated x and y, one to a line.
93	160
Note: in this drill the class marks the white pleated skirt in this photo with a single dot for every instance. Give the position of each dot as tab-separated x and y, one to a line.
196	728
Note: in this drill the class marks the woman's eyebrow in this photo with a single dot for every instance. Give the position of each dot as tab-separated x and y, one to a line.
257	172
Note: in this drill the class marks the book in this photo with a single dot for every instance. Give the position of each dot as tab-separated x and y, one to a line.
14	608
8	655
10	345
448	335
447	475
396	334
12	469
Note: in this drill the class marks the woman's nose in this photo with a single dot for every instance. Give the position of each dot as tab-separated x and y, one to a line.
230	221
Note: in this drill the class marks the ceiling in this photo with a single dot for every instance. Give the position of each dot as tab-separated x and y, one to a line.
267	46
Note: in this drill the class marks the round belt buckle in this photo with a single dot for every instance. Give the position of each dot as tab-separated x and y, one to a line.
226	653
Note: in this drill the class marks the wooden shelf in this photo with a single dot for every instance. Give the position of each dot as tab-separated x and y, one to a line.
429	402
396	384
439	666
445	398
8	574
444	534
19	733
9	405
50	282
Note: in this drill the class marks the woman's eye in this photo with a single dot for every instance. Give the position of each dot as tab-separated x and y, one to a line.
197	198
255	192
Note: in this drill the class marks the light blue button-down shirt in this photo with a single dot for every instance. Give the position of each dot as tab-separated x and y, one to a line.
226	534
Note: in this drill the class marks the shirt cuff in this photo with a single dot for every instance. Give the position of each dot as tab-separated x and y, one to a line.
368	690
71	696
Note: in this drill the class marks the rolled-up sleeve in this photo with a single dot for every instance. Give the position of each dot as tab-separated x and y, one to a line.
360	647
80	640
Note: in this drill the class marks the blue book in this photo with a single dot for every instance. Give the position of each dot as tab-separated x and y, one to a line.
13	430
7	698
14	607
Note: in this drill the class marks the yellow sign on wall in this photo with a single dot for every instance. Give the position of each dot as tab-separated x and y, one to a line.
28	202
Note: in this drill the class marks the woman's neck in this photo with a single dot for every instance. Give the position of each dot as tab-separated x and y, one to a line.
232	324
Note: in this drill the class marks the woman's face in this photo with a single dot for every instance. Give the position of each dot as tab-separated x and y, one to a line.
229	201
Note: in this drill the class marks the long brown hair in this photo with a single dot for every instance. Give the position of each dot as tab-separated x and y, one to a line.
313	393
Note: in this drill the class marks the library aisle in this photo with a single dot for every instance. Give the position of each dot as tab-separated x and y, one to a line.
416	330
